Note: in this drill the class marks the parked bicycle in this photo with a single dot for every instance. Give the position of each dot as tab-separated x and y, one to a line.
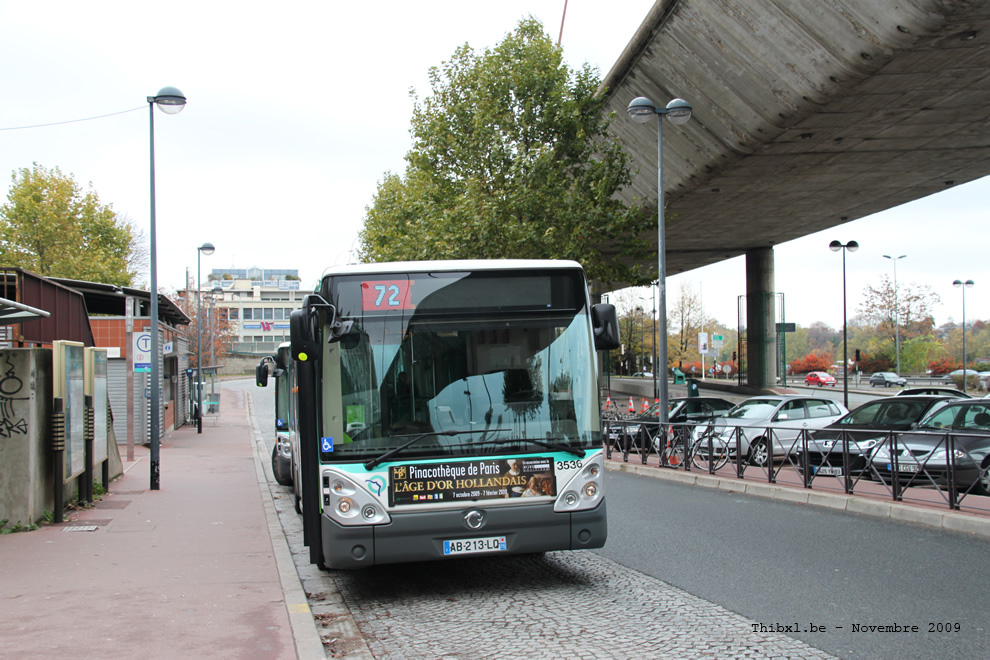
708	452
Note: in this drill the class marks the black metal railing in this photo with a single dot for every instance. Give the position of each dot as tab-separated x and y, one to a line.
953	464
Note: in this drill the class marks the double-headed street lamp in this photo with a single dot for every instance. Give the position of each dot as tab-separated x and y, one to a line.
851	246
678	111
968	284
207	249
170	101
897	314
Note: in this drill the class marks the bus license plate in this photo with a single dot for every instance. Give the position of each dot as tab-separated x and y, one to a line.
471	546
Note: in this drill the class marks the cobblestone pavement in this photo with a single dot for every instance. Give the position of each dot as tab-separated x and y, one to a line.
574	605
561	604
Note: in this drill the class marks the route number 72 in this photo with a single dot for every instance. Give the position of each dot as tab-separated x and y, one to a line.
379	295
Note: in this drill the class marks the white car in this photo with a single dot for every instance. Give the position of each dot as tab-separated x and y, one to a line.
752	424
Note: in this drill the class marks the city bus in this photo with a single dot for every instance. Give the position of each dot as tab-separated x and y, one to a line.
449	409
282	368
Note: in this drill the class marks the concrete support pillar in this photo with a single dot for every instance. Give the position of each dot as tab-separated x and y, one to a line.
761	367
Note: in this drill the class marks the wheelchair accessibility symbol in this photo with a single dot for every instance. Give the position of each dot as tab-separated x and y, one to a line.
326	444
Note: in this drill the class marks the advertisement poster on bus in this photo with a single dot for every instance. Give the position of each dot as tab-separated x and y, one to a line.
531	476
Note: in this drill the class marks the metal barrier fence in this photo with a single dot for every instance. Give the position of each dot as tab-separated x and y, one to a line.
953	464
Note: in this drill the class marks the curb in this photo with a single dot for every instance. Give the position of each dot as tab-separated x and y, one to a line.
305	636
895	511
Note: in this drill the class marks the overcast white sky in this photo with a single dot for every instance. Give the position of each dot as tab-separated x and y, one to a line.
296	111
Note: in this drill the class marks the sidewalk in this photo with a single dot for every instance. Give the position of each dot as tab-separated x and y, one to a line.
190	570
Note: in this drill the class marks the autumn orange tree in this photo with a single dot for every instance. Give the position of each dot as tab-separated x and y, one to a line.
814	361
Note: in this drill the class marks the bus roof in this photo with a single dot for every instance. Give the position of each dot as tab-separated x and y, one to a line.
449	266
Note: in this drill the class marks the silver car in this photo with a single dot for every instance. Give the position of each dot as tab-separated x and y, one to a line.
751	425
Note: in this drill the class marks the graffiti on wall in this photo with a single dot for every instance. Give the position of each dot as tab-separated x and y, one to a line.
10	389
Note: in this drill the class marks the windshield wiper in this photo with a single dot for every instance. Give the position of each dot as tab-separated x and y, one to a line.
543	443
416	438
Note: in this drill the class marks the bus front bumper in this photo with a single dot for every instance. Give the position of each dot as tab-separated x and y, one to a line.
420	535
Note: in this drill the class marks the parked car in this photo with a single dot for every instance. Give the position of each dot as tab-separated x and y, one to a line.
680	410
819	378
643	374
750	425
953	376
886	379
934	391
921	456
863	430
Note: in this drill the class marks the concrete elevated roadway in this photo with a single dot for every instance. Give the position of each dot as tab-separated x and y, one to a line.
807	115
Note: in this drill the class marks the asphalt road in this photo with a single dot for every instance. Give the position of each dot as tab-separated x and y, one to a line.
792	565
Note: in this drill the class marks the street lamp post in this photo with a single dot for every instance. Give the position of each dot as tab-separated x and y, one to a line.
677	111
170	101
207	249
653	324
897	314
959	284
851	246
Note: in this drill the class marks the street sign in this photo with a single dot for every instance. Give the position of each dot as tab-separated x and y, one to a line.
142	352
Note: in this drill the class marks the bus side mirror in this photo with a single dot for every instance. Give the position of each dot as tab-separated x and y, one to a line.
303	334
261	374
605	324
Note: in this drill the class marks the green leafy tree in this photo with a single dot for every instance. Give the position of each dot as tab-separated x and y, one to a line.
918	352
511	158
52	227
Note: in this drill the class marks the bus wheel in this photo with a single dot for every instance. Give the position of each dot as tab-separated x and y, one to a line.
280	469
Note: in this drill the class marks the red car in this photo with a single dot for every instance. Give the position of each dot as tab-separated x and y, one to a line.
819	378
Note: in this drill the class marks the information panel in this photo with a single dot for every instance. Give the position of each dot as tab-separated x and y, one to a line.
529	476
96	386
70	386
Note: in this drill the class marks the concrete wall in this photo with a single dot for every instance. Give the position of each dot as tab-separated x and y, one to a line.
26	466
241	364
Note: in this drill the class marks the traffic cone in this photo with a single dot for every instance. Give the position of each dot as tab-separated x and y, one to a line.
657	403
645	406
608	403
632	406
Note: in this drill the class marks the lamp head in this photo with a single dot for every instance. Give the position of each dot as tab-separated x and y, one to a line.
835	246
852	246
959	283
207	249
678	111
169	100
641	109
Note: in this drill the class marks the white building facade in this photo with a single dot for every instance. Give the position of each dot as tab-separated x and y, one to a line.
257	303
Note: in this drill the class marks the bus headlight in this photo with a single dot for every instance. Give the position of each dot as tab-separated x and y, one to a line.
347	503
585	490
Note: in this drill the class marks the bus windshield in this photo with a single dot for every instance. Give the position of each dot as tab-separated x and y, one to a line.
473	363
